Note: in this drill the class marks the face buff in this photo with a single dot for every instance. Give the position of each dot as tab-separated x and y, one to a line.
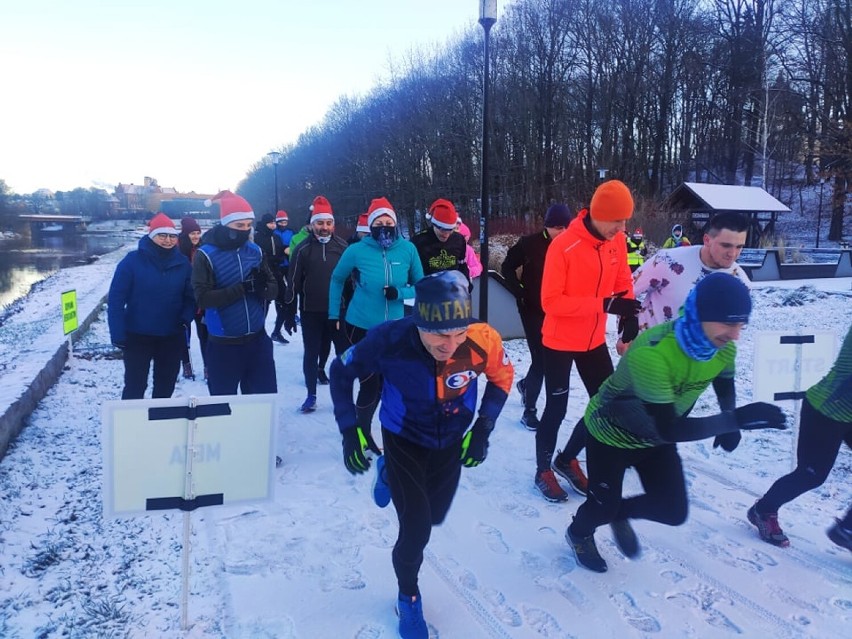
689	334
384	235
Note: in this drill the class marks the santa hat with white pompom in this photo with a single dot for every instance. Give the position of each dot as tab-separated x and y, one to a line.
232	207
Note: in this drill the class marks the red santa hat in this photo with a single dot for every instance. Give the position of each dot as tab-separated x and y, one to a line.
321	209
232	207
379	207
161	224
443	214
363	225
281	215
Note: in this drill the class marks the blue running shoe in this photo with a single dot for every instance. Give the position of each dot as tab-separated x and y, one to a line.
381	490
309	405
411	622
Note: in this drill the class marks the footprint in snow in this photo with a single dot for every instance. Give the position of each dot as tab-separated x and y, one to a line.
501	609
468	580
532	564
282	628
494	539
634	615
843	604
574	595
543	623
368	632
703	601
519	510
673	575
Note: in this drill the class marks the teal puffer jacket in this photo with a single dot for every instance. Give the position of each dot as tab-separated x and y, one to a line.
372	268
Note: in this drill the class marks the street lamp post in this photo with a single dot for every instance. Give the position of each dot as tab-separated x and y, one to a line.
487	18
275	156
819	210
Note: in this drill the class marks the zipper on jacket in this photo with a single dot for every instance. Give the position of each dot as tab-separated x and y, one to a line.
598	290
387	283
245	301
438	428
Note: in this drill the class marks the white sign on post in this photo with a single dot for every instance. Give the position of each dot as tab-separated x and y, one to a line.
787	365
145	452
186	453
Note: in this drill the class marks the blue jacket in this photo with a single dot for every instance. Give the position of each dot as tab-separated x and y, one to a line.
286	235
217	277
373	268
428	402
150	293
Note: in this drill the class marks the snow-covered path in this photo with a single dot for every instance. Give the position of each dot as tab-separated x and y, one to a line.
315	563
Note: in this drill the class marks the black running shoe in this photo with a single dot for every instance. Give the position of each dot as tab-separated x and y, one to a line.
530	420
625	538
840	535
586	552
322	378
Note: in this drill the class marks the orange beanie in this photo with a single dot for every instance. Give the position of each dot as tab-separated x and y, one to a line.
611	202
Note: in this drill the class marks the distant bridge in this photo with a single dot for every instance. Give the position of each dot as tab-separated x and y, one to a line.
50	223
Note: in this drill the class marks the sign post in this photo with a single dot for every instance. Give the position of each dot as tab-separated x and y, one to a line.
187	453
785	366
69	318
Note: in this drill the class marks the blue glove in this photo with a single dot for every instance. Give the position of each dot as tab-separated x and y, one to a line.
474	446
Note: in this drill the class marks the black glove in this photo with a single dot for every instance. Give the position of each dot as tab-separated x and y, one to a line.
620	305
728	441
334	324
290	325
760	415
290	318
474	446
252	281
628	328
391	293
355	445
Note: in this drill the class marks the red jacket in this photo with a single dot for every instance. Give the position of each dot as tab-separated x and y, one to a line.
581	270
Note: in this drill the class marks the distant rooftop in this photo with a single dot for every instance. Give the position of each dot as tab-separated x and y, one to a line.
724	197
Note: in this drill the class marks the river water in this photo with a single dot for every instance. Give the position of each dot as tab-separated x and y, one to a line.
27	261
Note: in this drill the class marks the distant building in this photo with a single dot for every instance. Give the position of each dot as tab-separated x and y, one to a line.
697	202
150	197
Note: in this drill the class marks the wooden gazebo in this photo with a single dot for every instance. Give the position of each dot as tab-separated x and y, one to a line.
696	203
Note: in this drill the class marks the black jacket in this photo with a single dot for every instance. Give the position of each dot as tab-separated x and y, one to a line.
436	255
528	252
310	271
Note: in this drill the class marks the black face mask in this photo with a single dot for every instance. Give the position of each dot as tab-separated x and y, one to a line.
384	235
228	238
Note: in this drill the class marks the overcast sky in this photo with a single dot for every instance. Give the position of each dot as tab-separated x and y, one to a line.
190	92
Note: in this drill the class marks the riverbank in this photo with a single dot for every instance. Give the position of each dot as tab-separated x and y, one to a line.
33	347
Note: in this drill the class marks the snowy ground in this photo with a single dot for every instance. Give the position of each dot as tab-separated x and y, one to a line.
315	563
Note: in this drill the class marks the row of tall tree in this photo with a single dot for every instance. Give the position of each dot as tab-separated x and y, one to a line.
753	92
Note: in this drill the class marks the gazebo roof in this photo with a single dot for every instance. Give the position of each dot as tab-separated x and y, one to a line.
724	197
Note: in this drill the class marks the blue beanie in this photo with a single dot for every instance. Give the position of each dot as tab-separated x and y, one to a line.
557	215
721	297
442	302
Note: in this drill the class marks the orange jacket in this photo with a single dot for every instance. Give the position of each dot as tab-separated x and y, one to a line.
581	270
